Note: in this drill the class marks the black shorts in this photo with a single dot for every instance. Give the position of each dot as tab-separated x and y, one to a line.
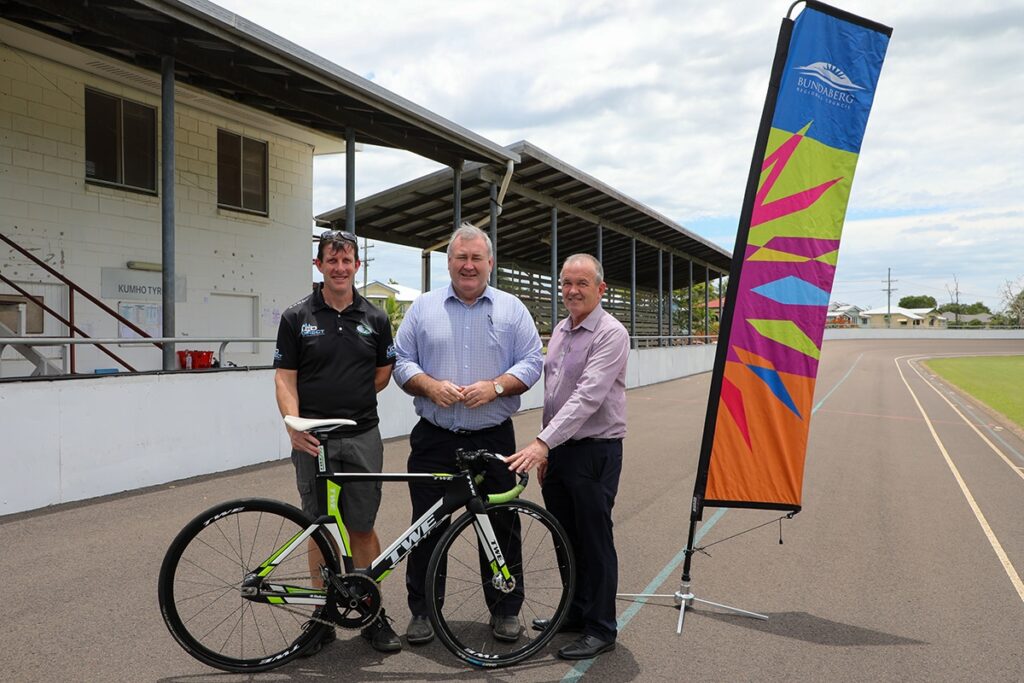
354	454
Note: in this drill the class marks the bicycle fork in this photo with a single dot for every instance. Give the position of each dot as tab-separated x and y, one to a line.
502	579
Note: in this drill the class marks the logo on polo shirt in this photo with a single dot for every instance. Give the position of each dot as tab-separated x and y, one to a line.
362	329
310	330
277	354
391	351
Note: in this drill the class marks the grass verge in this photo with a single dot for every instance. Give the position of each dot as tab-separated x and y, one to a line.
996	381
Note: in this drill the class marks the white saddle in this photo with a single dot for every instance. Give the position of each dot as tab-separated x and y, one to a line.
305	424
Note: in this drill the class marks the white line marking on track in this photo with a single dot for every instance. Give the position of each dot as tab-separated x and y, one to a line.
913	366
992	539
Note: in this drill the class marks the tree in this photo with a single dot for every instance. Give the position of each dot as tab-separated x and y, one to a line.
917	301
680	302
976	308
395	313
1012	294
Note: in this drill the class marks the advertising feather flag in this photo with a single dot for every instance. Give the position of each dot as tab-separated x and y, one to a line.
822	87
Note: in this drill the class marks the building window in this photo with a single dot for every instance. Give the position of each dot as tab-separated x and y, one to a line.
120	142
21	315
241	173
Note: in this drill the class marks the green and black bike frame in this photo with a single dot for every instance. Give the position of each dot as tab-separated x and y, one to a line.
460	491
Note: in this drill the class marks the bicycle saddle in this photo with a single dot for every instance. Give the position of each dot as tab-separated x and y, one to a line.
304	424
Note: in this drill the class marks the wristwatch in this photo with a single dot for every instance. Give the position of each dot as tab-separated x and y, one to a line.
498	389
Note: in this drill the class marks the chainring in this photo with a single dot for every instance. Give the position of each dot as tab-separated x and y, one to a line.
353	600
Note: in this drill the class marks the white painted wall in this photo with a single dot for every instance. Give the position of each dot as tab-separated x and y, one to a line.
78	228
72	439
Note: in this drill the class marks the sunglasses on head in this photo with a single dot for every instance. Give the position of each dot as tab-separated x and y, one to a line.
344	235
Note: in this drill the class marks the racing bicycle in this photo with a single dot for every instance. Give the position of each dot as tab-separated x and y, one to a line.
242	589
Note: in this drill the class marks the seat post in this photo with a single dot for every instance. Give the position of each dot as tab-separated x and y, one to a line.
321	450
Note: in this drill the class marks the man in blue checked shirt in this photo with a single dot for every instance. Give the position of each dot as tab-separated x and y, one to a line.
465	352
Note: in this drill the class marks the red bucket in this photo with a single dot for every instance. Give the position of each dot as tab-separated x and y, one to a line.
202	359
185	360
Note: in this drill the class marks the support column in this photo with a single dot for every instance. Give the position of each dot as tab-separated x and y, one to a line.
494	233
457	195
707	311
600	244
350	180
689	305
632	290
671	294
167	205
554	267
425	271
661	299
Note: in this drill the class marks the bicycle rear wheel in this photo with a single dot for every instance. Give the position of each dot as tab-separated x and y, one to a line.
463	600
200	586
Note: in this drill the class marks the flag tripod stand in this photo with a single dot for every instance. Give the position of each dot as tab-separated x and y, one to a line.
684	597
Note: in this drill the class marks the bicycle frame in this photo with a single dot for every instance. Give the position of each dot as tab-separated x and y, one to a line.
460	492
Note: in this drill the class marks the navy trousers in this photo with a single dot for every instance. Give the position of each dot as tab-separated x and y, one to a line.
433	450
579	489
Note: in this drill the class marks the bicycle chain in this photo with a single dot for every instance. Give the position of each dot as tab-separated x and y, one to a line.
308	616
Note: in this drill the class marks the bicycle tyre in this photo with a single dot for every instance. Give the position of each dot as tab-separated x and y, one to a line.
200	582
545	571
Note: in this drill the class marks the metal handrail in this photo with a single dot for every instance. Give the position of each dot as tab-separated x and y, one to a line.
73	289
61	341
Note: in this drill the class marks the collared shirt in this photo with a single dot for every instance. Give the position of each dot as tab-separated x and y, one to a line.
449	340
336	355
585	380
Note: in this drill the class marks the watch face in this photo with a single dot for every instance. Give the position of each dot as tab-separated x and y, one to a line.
498	389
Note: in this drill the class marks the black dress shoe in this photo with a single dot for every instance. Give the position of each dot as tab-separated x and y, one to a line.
566	627
586	647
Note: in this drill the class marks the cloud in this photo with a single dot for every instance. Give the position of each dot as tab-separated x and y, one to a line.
662	99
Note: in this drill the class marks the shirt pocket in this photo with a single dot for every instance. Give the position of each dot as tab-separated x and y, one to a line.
500	337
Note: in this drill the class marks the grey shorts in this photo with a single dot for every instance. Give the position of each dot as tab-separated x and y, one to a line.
359	501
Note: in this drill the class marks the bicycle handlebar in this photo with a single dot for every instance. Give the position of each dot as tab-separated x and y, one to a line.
474	462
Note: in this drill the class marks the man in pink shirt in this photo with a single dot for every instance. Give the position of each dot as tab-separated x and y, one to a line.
578	453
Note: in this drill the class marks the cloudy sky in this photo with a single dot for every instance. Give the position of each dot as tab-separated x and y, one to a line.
661	100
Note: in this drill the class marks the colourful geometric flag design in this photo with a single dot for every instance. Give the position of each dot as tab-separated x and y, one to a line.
785	262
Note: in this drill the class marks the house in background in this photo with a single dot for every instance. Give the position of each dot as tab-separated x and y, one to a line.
845	315
904	317
378	292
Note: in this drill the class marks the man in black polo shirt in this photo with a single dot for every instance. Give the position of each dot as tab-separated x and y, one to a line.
334	353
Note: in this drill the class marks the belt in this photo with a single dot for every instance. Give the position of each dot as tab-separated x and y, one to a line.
592	439
468	432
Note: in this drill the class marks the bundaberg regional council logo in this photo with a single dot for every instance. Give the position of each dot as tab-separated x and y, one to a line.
828	83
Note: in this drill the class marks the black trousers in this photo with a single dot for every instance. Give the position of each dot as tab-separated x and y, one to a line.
433	450
579	489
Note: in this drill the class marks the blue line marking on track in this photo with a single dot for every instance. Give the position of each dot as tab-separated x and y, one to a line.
838	384
576	673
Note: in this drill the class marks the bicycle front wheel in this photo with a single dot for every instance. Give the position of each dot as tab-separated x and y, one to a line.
200	585
465	602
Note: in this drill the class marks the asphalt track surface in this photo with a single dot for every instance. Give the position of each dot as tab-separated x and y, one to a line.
904	565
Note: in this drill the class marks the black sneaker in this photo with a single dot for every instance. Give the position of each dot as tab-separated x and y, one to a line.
420	632
381	636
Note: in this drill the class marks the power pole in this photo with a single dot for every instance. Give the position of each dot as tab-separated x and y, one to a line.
366	262
889	289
